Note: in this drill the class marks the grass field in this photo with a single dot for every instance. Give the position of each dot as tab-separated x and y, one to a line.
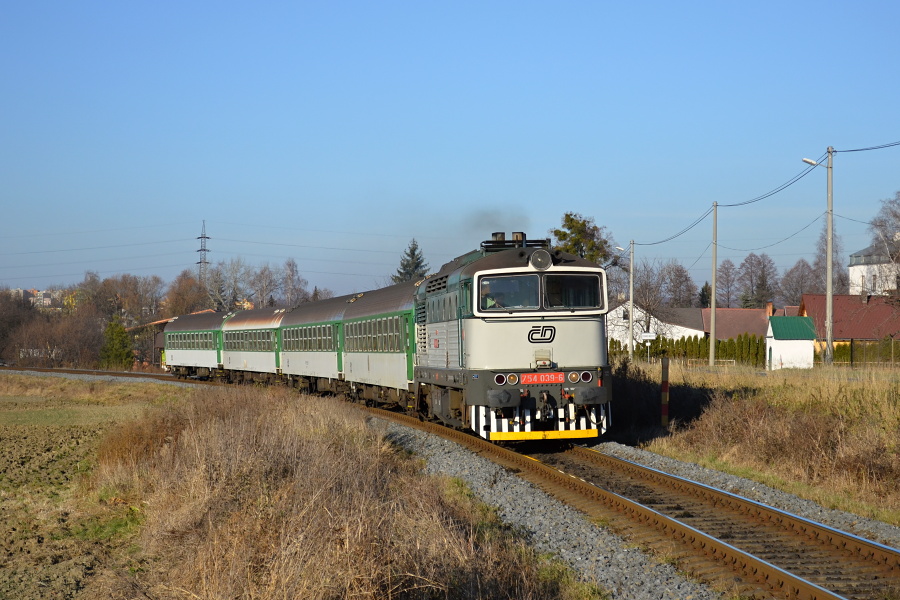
829	435
151	491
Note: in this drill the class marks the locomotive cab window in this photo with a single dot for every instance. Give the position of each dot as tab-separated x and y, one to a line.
545	292
572	292
509	292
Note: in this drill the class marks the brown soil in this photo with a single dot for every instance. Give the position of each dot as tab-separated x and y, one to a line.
49	545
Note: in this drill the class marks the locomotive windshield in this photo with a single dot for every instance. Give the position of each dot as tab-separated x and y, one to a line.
554	292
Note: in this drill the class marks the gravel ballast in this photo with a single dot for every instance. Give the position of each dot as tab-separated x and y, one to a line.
595	553
550	526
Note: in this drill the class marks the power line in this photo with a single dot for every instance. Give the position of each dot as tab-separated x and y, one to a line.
317	247
680	233
891	145
153	243
854	220
781	187
775	243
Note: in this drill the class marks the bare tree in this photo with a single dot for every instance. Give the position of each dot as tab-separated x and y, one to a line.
726	284
293	285
840	275
61	340
185	295
758	280
680	289
227	284
320	294
885	227
265	283
649	290
796	281
14	313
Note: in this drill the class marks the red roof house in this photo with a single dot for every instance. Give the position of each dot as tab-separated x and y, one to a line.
854	317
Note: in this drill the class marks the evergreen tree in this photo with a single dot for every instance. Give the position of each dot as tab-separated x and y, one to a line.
412	264
116	352
705	296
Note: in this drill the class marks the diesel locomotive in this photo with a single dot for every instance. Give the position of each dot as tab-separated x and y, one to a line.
508	340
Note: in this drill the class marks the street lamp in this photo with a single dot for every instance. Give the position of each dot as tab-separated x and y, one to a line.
829	266
630	301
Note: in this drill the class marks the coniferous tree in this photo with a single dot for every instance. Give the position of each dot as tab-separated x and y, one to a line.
704	298
412	264
116	352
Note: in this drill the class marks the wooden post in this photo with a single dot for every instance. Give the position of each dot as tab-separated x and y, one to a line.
664	408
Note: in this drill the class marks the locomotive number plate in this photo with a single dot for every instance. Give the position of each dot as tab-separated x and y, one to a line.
533	378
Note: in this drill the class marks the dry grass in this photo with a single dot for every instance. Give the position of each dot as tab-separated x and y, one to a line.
830	435
256	494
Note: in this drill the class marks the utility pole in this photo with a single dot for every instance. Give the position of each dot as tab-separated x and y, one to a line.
631	304
829	262
712	301
829	277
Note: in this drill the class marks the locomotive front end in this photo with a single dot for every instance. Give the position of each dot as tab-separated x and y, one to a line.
530	356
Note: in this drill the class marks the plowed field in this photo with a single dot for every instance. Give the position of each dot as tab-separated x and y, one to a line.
50	542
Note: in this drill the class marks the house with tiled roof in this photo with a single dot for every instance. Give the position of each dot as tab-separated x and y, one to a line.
732	322
855	317
678	323
671	323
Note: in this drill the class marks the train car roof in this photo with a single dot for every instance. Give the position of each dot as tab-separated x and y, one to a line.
203	321
390	299
320	311
260	318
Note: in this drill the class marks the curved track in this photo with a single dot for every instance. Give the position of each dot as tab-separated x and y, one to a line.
733	543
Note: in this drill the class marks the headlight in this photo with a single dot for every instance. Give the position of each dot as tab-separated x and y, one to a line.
512	379
574	377
587	376
500	379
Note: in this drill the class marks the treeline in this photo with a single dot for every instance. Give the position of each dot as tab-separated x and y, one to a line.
856	352
98	323
749	349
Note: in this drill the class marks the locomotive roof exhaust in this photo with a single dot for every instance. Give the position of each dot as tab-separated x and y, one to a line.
499	242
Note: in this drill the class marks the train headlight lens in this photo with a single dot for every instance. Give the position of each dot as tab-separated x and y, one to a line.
587	376
500	379
512	379
574	377
541	260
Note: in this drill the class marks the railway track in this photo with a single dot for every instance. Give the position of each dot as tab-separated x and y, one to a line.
733	543
130	374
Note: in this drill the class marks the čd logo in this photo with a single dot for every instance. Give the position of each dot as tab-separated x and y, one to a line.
542	334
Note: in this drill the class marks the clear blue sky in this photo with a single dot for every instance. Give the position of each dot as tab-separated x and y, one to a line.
335	132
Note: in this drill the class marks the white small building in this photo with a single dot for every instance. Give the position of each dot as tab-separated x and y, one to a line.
790	343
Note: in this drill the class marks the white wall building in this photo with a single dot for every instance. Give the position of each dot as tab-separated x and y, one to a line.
790	343
674	323
873	273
